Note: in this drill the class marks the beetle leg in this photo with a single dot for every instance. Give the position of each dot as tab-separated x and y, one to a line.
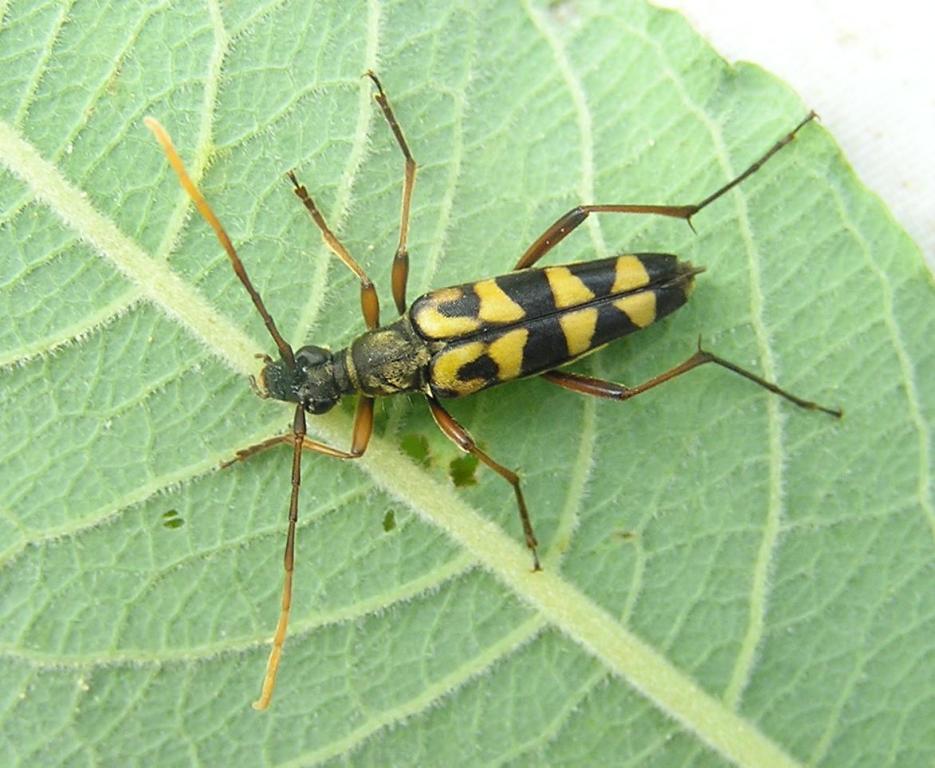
401	259
363	428
567	223
369	303
587	385
462	438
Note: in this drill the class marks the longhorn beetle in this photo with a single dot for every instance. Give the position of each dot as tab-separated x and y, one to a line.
458	340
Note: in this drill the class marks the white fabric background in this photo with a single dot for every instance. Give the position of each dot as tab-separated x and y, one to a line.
868	69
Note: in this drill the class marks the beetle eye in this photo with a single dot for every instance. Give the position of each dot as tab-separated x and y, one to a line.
318	407
310	356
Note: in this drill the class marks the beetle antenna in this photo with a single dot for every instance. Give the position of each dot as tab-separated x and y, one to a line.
204	209
279	639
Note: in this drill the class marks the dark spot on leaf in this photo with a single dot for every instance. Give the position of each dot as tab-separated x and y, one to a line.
463	470
389	521
416	447
171	519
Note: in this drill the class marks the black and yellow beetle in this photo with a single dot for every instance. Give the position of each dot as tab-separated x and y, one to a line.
459	340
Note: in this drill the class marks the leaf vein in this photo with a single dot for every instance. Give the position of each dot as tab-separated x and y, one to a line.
158	283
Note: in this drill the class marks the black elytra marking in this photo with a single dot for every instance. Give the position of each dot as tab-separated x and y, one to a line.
530	289
612	323
669	299
598	276
659	266
467	305
546	345
482	368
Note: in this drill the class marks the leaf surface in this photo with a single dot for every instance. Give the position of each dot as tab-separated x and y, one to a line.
726	578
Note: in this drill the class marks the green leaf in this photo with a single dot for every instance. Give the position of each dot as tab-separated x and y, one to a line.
726	577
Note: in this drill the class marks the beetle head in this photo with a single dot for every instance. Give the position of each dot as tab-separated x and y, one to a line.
310	381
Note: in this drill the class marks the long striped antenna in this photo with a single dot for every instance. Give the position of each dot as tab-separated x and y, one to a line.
204	209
